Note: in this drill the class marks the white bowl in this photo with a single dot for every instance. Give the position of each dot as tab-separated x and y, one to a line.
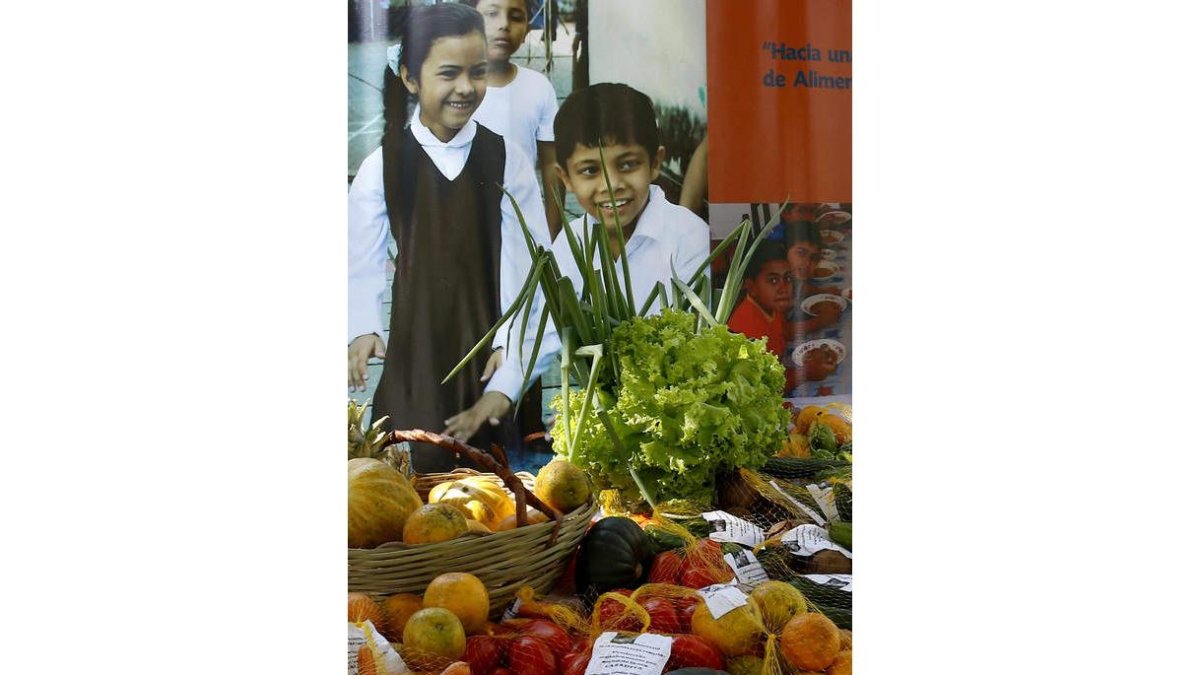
811	301
805	347
825	270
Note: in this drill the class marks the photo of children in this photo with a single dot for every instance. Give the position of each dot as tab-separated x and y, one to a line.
813	241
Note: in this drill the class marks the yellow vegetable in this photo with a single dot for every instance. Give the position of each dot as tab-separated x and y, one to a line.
477	498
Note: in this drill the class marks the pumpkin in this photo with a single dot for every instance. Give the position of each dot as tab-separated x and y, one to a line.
478	498
615	553
380	500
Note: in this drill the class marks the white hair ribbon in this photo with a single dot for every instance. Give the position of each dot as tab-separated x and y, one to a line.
393	57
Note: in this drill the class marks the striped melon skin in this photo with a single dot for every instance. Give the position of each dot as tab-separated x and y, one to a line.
380	500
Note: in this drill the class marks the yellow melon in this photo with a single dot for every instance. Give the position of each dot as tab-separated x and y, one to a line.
380	501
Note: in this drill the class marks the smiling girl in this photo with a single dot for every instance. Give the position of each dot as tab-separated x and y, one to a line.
434	185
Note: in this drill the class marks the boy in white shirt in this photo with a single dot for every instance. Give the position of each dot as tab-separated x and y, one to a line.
521	103
658	235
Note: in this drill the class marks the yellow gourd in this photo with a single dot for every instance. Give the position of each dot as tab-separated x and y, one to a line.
381	499
477	498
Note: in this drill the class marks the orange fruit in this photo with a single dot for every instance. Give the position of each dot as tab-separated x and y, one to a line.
841	664
433	523
534	517
477	527
806	415
839	427
739	631
778	602
363	608
434	634
810	641
562	485
462	594
397	610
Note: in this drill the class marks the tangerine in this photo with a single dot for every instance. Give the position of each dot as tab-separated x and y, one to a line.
434	523
434	634
462	594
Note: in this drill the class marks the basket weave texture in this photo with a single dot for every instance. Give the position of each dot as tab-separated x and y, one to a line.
503	561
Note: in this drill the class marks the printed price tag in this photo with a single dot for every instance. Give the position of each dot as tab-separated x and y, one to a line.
722	599
824	497
800	505
366	635
747	568
357	639
728	527
838	581
617	654
511	611
806	540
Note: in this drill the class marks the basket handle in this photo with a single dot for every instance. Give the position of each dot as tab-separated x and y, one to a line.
486	460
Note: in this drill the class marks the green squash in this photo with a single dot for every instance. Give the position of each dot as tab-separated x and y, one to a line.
615	553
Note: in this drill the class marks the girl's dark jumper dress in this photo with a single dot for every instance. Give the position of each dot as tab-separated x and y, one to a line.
446	291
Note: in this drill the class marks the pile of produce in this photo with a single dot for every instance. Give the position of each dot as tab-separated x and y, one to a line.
383	505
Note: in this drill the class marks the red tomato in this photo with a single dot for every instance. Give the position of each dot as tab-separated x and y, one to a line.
501	671
581	644
698	577
528	655
576	663
555	638
693	651
667	567
484	653
686	607
614	615
663	617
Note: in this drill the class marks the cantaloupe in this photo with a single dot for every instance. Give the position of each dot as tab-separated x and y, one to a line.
380	501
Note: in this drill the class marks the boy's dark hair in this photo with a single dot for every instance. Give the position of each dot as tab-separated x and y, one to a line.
418	28
528	7
766	252
801	230
608	112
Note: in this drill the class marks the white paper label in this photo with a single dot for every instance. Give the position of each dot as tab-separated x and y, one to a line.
357	639
617	654
824	497
838	581
728	527
511	611
392	663
800	505
747	568
722	599
806	540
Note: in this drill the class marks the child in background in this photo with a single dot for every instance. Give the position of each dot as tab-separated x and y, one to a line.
767	298
803	241
658	235
462	255
520	103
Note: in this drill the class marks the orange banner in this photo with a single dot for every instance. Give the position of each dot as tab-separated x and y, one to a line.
779	75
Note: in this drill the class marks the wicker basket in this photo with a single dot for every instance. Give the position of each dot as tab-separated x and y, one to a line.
503	561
